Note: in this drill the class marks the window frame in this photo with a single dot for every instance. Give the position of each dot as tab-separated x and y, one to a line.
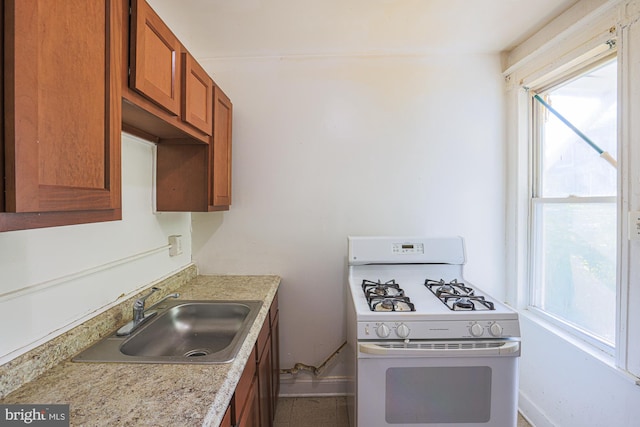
535	201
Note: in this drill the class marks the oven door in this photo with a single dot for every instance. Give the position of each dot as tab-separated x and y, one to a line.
437	383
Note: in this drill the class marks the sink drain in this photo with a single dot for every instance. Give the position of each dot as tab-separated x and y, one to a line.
197	353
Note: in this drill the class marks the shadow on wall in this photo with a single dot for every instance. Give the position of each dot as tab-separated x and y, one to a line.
206	225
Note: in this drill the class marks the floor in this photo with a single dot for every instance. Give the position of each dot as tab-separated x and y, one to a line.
321	412
311	412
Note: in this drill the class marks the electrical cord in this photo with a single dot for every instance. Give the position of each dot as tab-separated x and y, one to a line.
315	371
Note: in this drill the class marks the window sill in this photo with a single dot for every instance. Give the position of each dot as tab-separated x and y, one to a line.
603	357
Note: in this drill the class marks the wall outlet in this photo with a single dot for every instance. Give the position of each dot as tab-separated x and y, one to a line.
634	225
176	245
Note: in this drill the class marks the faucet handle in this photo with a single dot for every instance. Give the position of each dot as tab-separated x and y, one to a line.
138	314
139	303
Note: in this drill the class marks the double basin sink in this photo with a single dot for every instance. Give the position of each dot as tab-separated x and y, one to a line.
182	331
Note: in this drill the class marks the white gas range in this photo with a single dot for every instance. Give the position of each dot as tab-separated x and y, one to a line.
421	338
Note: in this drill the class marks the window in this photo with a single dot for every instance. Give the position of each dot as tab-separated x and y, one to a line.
574	202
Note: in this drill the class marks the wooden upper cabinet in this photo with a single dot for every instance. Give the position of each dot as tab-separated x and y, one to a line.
197	177
194	140
62	112
220	152
155	55
197	95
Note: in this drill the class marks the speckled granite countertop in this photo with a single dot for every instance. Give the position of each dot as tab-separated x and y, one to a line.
116	394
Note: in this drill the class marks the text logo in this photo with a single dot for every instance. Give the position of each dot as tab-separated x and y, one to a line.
34	415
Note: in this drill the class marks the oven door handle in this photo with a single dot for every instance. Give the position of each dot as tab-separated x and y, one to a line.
508	348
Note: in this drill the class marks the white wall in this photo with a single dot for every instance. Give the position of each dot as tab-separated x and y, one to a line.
54	277
562	385
326	147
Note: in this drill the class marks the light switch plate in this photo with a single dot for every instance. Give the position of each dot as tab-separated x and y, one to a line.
176	245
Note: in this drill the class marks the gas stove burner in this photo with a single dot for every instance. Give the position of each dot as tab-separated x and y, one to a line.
468	303
446	289
463	303
390	304
457	296
389	288
387	296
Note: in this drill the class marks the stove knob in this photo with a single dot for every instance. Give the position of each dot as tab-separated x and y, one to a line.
495	330
402	330
476	330
383	330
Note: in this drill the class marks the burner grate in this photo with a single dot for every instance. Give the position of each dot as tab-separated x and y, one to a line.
457	296
387	296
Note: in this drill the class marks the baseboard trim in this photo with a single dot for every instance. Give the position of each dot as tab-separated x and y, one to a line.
296	386
532	413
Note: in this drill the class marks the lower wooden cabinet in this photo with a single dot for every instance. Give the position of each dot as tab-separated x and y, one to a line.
254	401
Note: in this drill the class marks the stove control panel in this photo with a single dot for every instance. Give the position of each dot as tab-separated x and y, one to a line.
461	329
408	248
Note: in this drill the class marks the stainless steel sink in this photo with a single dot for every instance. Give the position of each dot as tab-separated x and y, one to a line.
182	332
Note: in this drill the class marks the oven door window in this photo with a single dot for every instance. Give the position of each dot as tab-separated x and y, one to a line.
424	395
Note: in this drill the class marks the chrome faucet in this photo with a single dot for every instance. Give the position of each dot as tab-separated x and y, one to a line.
138	306
140	315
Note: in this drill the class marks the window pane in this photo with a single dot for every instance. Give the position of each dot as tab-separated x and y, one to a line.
569	165
577	260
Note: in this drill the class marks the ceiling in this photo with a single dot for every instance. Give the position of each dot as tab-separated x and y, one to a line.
232	28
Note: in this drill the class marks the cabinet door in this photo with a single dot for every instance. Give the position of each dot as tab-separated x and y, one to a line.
250	414
264	374
226	420
155	53
220	152
197	95
275	362
62	118
245	398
